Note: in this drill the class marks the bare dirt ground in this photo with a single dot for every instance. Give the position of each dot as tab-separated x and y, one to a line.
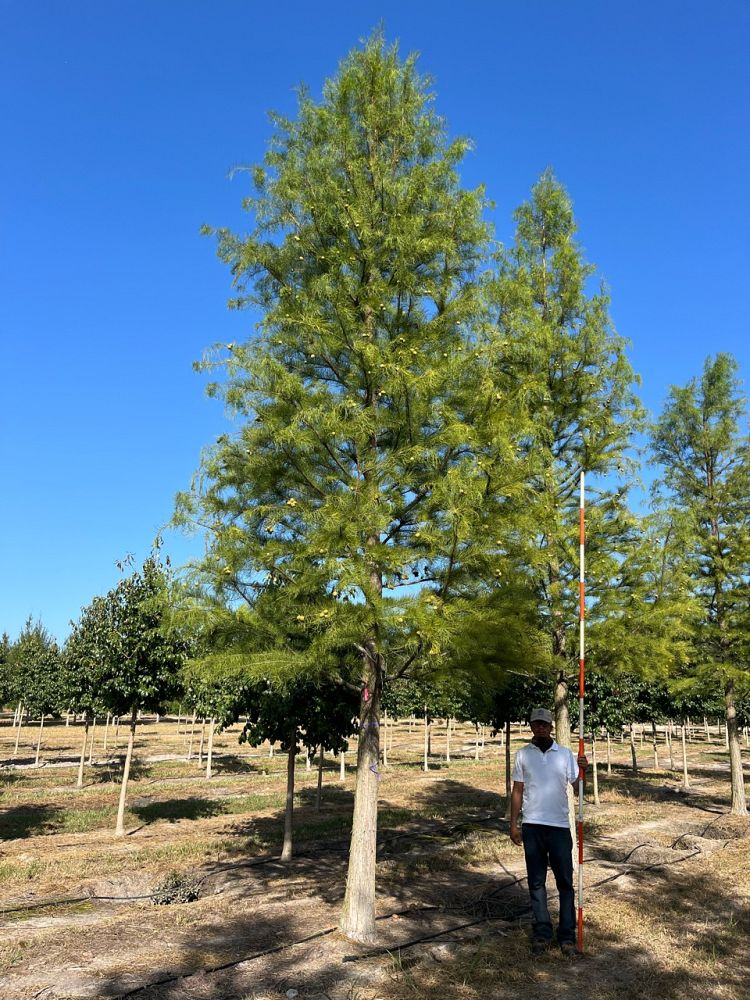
667	897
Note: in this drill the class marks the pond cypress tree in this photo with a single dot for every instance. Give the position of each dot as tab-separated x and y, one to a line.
701	442
364	397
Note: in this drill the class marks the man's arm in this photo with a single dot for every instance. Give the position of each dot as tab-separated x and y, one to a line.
516	798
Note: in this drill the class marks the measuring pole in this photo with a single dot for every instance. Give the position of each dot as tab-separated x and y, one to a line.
581	693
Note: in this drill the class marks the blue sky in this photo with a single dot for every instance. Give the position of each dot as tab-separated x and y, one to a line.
121	122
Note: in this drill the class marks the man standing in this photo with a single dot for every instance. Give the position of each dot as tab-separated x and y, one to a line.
542	771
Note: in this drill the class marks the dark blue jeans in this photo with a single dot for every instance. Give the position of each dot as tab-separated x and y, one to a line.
550	846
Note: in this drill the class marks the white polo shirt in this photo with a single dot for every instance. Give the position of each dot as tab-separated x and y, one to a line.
545	778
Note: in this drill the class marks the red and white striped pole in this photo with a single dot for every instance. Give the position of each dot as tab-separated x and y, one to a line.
581	694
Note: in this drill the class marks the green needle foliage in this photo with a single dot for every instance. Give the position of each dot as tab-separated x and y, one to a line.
364	400
583	411
701	442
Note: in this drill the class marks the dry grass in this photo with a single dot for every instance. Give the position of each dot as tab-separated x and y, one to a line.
678	931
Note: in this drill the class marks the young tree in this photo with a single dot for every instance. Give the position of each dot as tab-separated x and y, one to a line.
314	715
36	660
584	411
141	656
364	399
701	442
83	665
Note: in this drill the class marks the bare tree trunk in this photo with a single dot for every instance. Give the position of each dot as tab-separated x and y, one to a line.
81	762
594	769
425	765
358	911
507	770
106	734
562	716
633	754
192	736
270	751
117	731
708	732
476	741
39	741
18	731
91	748
319	795
286	850
385	740
609	755
210	751
739	802
120	827
447	741
669	745
308	765
656	749
200	748
342	766
685	776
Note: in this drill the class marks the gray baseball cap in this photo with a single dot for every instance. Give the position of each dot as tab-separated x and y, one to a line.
541	715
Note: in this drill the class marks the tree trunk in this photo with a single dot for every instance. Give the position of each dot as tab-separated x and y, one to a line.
39	741
192	737
633	754
18	731
106	734
656	749
609	755
91	747
685	776
358	912
669	745
476	741
342	766
82	761
200	747
507	770
447	741
385	740
425	765
286	850
739	802
562	716
594	769
708	732
319	794
210	751
117	731
308	765
120	827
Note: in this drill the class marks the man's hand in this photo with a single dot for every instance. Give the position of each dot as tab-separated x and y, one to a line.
515	835
583	761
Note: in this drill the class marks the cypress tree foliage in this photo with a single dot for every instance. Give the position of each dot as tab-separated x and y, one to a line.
701	442
364	397
583	408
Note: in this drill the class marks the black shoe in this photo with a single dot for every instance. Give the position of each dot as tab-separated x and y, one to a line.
569	949
539	946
